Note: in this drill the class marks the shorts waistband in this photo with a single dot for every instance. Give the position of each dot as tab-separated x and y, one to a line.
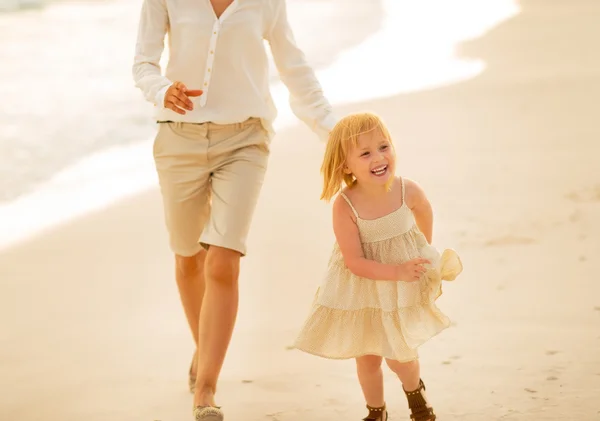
209	125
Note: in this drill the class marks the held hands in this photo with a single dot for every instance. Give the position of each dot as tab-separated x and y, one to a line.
412	270
177	97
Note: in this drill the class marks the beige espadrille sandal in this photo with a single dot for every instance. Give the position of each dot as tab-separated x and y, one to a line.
208	413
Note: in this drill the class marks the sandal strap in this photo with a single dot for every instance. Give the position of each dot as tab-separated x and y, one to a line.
376	414
415	397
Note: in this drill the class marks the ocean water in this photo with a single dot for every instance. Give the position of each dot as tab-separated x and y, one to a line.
75	135
66	85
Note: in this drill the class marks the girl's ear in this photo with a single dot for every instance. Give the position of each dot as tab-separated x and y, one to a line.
347	170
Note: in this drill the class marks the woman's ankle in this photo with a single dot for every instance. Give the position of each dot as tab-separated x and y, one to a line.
194	364
204	396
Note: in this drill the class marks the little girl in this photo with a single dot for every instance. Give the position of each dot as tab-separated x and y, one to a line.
378	297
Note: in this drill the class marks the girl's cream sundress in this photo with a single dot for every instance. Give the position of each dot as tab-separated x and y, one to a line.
353	316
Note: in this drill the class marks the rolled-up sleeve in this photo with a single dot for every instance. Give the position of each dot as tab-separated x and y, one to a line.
307	99
153	27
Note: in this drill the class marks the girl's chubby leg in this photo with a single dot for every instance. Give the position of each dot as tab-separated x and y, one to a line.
409	373
370	377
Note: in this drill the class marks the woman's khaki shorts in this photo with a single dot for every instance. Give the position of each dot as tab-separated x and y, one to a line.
210	177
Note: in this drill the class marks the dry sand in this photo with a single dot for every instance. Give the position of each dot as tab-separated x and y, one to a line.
92	328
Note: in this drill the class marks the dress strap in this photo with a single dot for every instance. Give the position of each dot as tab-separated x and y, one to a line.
349	204
402	188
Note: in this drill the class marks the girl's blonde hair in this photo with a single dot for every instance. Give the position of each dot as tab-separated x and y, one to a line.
342	138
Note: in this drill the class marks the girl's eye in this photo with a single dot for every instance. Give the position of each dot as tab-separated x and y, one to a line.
384	147
365	154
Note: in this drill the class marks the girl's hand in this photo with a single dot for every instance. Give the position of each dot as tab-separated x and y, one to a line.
412	270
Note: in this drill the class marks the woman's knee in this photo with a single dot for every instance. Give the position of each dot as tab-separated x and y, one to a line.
369	363
190	265
222	266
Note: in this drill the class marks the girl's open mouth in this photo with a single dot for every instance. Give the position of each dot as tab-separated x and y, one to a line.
379	171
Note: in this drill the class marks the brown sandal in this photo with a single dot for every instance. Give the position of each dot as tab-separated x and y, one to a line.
417	403
376	414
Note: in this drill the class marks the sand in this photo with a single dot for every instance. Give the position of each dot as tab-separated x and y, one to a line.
92	328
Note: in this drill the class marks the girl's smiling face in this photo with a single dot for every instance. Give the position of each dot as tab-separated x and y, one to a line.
372	161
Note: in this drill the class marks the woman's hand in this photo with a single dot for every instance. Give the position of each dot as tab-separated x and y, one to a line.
177	97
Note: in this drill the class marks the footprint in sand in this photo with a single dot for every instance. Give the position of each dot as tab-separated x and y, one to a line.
551	378
448	361
575	216
274	416
591	194
509	240
551	352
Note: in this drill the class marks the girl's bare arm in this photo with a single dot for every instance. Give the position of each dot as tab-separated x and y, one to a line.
418	203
